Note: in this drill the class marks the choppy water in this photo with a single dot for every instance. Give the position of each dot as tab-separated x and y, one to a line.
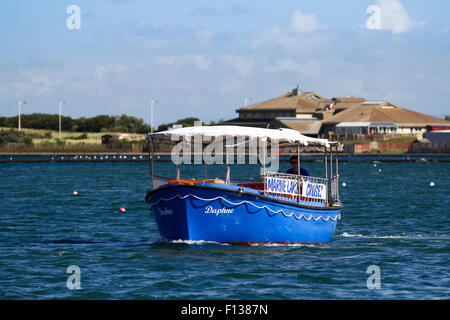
392	219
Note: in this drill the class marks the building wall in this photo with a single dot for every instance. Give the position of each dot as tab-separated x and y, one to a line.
304	116
410	130
265	114
377	146
438	137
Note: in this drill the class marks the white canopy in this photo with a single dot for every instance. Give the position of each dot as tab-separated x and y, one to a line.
282	134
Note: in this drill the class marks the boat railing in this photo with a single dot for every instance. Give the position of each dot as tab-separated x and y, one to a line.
334	189
308	190
295	188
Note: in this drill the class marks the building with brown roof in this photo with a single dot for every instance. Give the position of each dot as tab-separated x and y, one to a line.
290	106
314	115
374	115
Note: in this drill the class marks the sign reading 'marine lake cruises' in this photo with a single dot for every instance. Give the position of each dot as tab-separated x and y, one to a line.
282	186
314	190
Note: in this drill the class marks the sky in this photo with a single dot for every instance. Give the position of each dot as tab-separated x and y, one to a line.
203	58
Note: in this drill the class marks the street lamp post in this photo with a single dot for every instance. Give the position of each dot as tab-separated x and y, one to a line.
152	105
20	105
60	106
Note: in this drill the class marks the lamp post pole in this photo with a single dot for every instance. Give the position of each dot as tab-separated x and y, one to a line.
20	105
60	106
152	105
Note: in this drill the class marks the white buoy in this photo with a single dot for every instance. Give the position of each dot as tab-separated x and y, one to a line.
75	193
344	184
432	184
379	170
374	164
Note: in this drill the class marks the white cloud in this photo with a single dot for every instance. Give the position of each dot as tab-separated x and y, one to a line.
204	36
301	36
305	22
306	68
274	34
241	64
394	16
199	61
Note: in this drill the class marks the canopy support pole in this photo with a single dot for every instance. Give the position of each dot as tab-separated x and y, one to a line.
326	172
264	144
331	162
298	171
337	172
150	157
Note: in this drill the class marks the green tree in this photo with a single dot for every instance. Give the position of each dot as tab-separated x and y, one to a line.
28	140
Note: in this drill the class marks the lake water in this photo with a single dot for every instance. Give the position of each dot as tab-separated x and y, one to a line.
392	220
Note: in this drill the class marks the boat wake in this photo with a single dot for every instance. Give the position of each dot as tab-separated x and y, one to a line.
399	236
186	242
198	242
214	243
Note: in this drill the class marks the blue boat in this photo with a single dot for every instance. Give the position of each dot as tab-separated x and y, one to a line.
274	208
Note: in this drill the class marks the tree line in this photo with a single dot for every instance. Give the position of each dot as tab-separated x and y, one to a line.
100	123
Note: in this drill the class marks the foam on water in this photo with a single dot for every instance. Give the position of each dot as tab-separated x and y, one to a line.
400	236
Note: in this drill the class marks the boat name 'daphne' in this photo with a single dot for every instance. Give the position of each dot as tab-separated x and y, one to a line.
165	212
215	211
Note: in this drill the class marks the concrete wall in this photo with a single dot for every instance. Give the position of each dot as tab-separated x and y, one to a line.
377	146
438	136
417	147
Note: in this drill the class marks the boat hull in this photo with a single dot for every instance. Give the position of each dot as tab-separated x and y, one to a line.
229	214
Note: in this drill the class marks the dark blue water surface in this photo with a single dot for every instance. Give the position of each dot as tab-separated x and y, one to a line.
392	219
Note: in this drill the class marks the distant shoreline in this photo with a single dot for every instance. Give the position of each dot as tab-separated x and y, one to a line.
165	157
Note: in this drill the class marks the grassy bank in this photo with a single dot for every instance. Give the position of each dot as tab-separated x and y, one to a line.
38	141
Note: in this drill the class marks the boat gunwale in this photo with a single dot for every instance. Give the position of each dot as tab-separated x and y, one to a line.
294	204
